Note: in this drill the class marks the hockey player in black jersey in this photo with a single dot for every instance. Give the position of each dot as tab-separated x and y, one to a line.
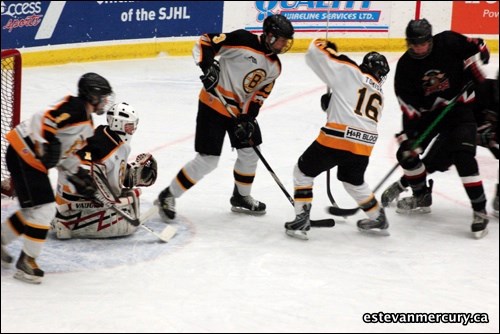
244	75
486	114
432	74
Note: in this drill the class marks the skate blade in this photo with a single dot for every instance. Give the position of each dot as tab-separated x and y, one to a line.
417	211
32	279
246	211
302	235
375	231
6	264
480	234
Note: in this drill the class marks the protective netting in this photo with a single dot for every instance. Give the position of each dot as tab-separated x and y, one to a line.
11	93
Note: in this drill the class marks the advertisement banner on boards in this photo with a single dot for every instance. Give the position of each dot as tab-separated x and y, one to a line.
320	16
43	23
484	14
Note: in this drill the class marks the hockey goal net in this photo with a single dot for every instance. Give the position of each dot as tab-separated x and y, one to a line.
11	106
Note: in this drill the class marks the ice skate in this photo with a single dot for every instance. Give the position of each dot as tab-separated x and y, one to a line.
479	225
298	228
28	270
420	203
166	204
246	204
392	193
378	225
6	257
495	204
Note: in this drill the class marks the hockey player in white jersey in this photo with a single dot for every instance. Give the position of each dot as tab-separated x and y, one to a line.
347	139
108	150
35	146
244	75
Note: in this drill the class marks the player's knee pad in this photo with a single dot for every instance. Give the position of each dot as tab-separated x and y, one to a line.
465	162
405	162
206	163
41	214
300	179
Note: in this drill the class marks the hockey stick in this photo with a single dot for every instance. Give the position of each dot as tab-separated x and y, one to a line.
314	223
336	211
104	187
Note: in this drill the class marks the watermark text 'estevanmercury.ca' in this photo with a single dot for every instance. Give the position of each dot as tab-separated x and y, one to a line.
426	318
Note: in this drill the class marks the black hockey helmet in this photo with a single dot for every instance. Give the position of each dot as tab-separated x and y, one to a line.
92	86
95	89
375	64
418	31
278	26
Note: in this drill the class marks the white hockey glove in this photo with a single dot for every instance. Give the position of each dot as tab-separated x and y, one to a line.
142	172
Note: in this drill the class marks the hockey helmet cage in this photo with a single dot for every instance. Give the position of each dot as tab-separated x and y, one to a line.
123	119
376	64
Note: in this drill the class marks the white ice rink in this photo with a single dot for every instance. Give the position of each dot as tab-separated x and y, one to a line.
225	272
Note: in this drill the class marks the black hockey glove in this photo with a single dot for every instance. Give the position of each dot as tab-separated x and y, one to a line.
484	52
210	78
331	45
486	135
325	100
83	182
52	153
244	129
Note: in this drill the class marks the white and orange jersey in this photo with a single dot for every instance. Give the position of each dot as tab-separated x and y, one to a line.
356	103
248	70
106	148
68	121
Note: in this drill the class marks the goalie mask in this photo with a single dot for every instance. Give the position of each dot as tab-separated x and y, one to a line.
123	119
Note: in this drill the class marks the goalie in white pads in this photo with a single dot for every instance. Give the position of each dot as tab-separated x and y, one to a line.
106	152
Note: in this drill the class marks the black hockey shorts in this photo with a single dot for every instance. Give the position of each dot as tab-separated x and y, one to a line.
32	186
211	128
461	138
318	158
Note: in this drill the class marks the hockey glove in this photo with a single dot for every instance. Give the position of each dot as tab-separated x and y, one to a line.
244	129
486	135
142	172
210	78
331	45
325	100
484	52
52	153
83	182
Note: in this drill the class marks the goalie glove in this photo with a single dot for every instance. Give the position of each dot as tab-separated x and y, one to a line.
142	172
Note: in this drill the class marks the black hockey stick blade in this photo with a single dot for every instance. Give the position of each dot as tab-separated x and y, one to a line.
342	212
322	222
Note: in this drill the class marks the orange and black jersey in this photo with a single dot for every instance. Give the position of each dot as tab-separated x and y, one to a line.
248	70
68	121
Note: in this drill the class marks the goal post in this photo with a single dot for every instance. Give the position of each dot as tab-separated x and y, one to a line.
11	106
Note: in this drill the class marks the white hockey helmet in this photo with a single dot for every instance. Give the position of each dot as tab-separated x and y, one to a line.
123	119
